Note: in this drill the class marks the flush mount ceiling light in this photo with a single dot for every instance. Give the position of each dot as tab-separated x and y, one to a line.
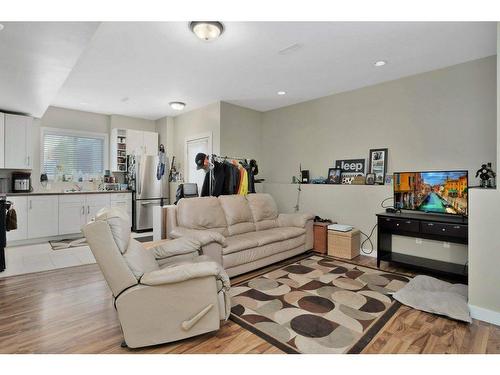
206	30
380	63
281	92
178	106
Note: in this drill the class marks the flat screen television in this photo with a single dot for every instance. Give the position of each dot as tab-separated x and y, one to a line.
443	192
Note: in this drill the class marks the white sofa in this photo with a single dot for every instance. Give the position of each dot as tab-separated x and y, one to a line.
240	233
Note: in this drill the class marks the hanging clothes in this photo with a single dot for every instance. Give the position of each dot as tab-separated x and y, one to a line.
243	189
253	170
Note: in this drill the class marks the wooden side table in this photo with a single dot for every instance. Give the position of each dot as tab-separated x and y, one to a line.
344	244
321	237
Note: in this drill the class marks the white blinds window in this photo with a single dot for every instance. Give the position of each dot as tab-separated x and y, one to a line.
73	154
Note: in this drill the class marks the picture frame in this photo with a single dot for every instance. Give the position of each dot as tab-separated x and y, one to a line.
370	178
377	164
334	176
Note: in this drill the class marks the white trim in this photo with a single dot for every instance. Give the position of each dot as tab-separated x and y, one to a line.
489	316
70	132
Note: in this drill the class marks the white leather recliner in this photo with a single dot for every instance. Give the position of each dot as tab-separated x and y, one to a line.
163	294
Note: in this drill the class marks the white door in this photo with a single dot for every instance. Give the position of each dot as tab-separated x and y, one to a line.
2	140
43	216
193	147
150	143
72	213
94	202
17	140
135	142
21	207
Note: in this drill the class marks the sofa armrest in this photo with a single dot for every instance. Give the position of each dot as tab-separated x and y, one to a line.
294	220
175	247
204	237
185	271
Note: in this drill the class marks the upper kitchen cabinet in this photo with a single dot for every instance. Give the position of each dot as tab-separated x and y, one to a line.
17	142
2	140
130	142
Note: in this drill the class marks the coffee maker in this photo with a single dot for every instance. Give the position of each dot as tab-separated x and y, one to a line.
21	182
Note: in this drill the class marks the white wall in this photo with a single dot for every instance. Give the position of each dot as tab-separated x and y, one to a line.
126	122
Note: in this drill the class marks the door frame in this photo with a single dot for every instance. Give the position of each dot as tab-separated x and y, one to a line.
195	138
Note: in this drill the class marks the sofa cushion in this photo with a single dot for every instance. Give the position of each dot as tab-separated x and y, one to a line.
240	228
139	260
236	209
240	242
263	207
250	255
201	213
266	224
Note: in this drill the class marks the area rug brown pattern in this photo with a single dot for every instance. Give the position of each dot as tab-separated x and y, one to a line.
317	305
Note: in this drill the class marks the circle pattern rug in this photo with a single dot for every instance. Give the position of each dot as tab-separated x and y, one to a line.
317	305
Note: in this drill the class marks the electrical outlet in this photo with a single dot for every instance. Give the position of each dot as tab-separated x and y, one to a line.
446	245
418	241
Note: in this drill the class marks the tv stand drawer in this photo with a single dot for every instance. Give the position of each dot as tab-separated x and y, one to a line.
444	229
404	225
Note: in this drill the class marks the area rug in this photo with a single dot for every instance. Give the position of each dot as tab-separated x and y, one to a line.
317	305
68	243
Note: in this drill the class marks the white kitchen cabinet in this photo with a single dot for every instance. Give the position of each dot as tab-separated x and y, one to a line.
43	216
135	142
150	141
17	145
94	202
21	207
124	202
2	140
72	213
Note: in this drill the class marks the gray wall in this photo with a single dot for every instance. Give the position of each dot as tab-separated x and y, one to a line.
444	119
240	134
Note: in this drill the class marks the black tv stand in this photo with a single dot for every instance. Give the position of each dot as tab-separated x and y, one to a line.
427	226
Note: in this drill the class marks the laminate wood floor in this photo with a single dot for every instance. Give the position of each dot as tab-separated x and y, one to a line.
70	311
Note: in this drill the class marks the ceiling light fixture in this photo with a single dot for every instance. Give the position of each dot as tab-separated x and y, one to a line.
380	63
207	30
1	27
281	92
178	106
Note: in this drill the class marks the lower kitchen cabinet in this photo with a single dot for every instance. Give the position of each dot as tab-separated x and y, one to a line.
43	216
21	207
72	213
94	202
123	201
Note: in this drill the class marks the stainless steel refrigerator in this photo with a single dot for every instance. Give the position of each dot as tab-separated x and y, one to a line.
148	191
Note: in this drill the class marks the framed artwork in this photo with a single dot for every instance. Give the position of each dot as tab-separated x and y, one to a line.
334	175
350	168
370	178
377	164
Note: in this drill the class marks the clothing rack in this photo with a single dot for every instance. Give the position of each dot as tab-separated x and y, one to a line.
212	158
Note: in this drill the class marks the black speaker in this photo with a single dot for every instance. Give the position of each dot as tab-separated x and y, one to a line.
305	176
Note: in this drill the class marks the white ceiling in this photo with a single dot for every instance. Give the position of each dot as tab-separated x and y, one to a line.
35	60
152	64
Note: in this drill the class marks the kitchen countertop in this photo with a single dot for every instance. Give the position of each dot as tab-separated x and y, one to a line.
68	193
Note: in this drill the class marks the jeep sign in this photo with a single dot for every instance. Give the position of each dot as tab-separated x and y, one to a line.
355	166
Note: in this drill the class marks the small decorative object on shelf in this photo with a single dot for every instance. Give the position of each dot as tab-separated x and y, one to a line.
350	168
487	176
358	180
377	164
370	178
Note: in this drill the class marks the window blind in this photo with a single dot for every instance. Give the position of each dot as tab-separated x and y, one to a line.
73	153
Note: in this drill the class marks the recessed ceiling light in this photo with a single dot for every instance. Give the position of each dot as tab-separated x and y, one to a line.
125	99
207	30
1	27
281	92
178	106
380	63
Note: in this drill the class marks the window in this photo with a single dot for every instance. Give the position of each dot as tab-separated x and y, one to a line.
74	153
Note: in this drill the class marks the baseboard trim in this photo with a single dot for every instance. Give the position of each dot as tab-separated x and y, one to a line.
488	316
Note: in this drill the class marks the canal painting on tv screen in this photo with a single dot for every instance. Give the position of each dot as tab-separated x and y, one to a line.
436	192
